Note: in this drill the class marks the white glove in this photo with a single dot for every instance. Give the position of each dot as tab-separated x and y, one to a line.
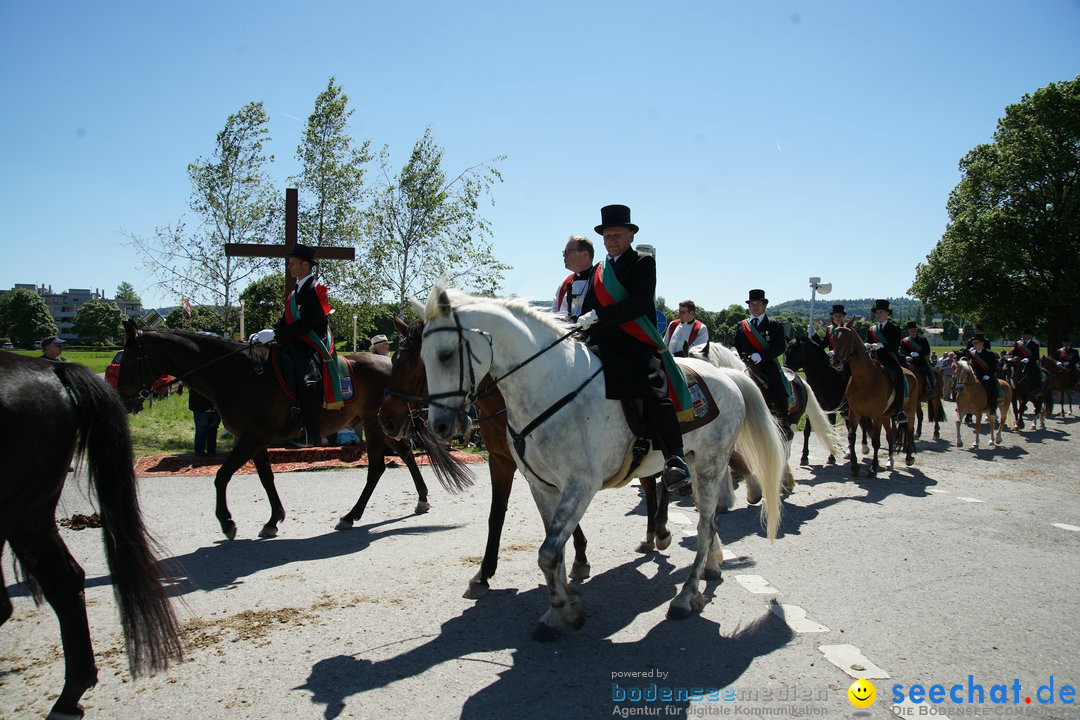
831	353
986	377
874	346
756	357
1025	361
587	320
914	354
264	336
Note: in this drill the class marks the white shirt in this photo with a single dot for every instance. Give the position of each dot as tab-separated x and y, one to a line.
569	305
681	335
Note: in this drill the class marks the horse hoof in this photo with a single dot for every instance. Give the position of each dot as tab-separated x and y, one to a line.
662	541
644	547
545	633
268	531
477	589
676	612
580	570
804	460
229	529
909	461
344	524
422	507
830	461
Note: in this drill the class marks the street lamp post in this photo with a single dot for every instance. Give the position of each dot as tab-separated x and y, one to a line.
243	337
354	333
816	286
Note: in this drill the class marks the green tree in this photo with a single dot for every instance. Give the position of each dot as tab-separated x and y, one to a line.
950	331
99	322
126	291
263	302
421	226
1008	255
331	183
203	319
234	201
25	318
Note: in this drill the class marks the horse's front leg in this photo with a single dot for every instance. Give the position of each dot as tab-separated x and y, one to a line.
875	440
804	459
648	488
562	513
241	453
261	459
853	429
501	467
707	492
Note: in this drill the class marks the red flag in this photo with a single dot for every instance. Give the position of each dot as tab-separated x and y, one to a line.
187	307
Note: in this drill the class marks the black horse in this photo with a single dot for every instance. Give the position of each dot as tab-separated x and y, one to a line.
1027	382
241	382
48	411
805	355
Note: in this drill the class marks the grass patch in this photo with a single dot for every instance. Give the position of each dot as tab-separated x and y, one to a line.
166	426
96	360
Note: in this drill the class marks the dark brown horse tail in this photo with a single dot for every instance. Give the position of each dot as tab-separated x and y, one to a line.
149	624
452	474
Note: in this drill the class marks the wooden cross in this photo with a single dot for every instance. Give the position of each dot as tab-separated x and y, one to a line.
292	212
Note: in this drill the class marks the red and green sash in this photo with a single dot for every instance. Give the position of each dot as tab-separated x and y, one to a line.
829	335
610	291
1023	349
910	345
762	346
324	346
981	363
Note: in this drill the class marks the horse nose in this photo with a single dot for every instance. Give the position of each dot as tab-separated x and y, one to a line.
440	425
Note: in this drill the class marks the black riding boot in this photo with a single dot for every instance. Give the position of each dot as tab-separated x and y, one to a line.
668	437
899	415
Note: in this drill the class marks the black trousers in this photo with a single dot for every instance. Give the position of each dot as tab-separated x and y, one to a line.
307	382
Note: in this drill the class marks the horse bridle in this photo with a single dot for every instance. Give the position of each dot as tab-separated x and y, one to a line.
142	362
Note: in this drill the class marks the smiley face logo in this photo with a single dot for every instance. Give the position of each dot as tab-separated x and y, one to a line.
862	693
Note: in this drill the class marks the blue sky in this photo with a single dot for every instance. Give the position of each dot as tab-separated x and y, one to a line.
757	143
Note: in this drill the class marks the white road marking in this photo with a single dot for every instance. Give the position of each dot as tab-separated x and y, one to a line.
936	491
1063	526
756	584
967	499
851	660
796	619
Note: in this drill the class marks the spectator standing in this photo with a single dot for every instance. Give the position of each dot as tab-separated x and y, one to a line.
51	348
207	421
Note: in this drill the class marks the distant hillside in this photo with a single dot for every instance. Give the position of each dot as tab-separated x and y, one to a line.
903	308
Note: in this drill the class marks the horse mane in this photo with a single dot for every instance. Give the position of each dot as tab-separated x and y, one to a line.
201	340
517	306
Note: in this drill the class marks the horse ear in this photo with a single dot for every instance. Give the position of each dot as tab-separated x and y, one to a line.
130	330
400	324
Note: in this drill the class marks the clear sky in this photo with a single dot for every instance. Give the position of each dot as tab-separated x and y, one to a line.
757	143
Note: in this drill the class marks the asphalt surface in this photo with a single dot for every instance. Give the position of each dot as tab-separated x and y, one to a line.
963	566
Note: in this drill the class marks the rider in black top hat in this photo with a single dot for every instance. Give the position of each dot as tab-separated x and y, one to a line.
633	369
916	349
883	340
761	342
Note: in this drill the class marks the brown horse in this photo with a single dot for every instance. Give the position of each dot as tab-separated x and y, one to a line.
1061	382
241	382
48	411
406	395
869	395
971	399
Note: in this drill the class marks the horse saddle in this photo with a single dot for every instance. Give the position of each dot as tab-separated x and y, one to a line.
794	390
284	367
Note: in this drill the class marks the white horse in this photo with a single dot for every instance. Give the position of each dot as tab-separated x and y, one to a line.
570	441
725	357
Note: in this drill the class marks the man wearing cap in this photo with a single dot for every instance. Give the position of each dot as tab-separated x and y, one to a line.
883	340
761	341
51	348
619	313
916	349
838	317
578	259
380	345
984	363
304	333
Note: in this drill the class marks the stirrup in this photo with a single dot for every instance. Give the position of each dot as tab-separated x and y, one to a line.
676	474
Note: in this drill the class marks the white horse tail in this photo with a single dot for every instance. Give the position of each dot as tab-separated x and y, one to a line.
761	446
819	422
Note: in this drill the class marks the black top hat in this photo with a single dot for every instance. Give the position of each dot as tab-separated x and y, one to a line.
615	216
838	309
304	252
757	295
881	305
912	325
1026	331
979	336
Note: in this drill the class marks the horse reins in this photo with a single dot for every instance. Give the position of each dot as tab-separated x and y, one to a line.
143	359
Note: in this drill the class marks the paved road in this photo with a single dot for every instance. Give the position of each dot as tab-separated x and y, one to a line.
964	565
